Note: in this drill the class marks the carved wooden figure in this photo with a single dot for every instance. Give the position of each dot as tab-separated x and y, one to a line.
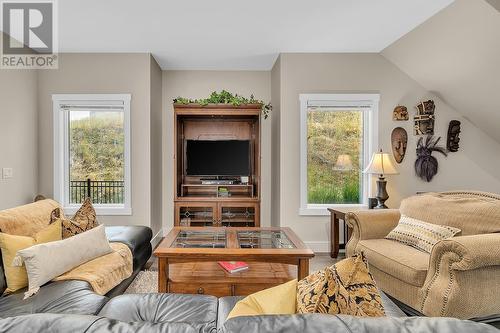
399	140
453	136
400	113
424	119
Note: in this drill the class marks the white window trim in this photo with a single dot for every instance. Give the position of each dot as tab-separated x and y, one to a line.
370	143
61	172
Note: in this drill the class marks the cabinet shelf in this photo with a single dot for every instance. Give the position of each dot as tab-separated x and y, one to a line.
214	191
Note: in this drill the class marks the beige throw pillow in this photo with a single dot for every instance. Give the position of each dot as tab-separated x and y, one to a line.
419	234
47	261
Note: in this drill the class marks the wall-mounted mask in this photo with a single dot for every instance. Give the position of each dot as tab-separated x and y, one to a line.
424	119
453	136
399	141
400	113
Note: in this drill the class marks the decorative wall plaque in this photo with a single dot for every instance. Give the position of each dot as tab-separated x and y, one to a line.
424	119
399	141
453	136
400	113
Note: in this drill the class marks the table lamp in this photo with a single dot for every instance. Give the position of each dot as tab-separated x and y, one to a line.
344	163
381	165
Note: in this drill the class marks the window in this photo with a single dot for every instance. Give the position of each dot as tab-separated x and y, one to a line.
337	138
92	152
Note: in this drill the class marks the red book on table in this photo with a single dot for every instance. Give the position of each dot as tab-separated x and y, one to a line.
233	266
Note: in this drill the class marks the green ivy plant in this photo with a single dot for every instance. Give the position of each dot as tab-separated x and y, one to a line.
225	97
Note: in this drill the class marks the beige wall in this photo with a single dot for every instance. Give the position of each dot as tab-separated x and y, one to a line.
276	143
102	73
199	84
456	53
333	73
18	136
156	144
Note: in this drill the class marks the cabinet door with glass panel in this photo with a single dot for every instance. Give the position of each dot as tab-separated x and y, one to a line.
237	214
195	214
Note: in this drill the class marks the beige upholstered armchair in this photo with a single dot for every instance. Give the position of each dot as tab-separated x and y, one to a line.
460	278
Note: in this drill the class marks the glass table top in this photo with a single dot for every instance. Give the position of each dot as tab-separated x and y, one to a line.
244	239
200	239
264	239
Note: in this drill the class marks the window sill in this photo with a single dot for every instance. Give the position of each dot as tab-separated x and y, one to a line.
102	210
322	210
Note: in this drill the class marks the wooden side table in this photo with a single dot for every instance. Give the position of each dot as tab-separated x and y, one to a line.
337	214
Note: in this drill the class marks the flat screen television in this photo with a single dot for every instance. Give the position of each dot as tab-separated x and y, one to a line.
218	158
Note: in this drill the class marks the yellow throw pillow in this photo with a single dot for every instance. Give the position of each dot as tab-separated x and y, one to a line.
17	277
345	288
275	300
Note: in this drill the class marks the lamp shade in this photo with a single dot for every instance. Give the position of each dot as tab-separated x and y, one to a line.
344	163
381	164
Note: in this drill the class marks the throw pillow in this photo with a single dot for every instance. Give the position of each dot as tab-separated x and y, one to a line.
420	234
355	277
275	300
17	277
345	288
83	220
46	261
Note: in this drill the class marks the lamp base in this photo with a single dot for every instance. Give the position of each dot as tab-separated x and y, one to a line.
382	195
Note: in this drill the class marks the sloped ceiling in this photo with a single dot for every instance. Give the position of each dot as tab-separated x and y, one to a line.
456	55
495	3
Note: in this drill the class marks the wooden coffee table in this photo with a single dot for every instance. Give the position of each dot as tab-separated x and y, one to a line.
187	259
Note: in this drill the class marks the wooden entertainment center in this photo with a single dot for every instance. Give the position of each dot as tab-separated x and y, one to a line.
217	200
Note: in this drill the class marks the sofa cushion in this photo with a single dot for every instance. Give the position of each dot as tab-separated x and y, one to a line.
135	236
75	297
399	260
200	310
472	212
226	304
312	323
57	323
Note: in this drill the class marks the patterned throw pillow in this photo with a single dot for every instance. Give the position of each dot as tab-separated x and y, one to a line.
345	288
420	234
84	219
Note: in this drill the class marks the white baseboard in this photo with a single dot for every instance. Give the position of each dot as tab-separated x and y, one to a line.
320	247
157	238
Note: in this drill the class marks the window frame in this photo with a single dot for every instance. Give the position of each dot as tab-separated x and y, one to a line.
370	104
61	149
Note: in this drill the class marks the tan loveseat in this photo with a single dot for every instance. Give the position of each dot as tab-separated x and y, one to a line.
460	278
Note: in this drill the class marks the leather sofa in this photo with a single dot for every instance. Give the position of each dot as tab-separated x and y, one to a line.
461	276
198	313
77	297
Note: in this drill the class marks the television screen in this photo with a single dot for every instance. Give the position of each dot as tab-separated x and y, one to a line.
218	158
